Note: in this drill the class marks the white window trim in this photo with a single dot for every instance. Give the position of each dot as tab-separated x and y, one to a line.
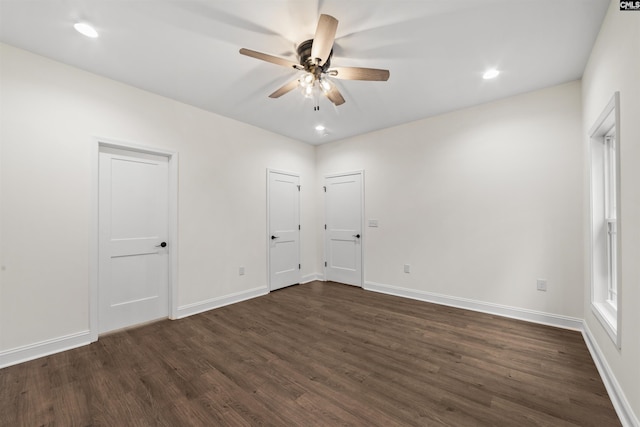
611	215
608	314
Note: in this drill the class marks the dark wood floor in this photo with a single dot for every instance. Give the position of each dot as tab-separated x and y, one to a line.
316	354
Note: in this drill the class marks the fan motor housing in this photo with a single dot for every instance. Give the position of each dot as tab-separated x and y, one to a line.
309	64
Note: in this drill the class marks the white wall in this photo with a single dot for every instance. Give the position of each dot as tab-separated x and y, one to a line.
614	65
50	113
480	202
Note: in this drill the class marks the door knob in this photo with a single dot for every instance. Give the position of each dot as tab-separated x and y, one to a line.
161	245
275	237
357	236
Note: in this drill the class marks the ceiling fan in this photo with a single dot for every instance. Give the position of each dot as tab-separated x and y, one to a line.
314	57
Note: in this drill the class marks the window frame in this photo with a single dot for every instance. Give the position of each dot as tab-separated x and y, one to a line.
610	220
605	224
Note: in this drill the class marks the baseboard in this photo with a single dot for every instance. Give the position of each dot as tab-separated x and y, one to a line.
68	342
43	348
617	396
312	277
210	304
556	320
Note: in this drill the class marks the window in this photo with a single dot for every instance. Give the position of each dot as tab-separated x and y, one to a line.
609	142
605	219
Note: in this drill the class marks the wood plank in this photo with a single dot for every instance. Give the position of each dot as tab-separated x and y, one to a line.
317	354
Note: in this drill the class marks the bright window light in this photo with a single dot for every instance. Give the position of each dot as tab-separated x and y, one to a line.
86	29
490	74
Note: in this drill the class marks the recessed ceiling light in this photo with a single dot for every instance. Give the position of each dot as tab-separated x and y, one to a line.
320	128
490	74
86	29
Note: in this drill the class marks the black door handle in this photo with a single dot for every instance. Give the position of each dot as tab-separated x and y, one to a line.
357	236
275	237
161	245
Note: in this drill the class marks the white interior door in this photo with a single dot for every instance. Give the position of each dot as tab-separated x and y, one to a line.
133	270
284	229
343	235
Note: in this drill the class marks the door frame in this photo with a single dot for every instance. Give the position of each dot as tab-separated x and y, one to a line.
94	232
268	228
362	216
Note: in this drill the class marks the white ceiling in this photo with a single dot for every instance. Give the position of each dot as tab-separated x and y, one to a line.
436	51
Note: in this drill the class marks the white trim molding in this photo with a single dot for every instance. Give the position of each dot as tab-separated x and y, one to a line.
312	278
172	156
268	235
602	273
43	348
325	254
40	349
206	305
616	394
550	319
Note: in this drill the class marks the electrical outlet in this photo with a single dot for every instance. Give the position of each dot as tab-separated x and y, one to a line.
541	285
407	268
241	271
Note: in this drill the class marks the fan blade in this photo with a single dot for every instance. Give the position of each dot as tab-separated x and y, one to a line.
335	96
357	73
285	89
323	40
270	58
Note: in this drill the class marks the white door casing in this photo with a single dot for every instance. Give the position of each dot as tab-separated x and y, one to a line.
343	228
283	234
133	222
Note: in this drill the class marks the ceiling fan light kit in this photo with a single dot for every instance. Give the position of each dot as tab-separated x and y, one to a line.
314	59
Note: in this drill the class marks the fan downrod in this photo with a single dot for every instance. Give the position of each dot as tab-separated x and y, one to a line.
311	64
